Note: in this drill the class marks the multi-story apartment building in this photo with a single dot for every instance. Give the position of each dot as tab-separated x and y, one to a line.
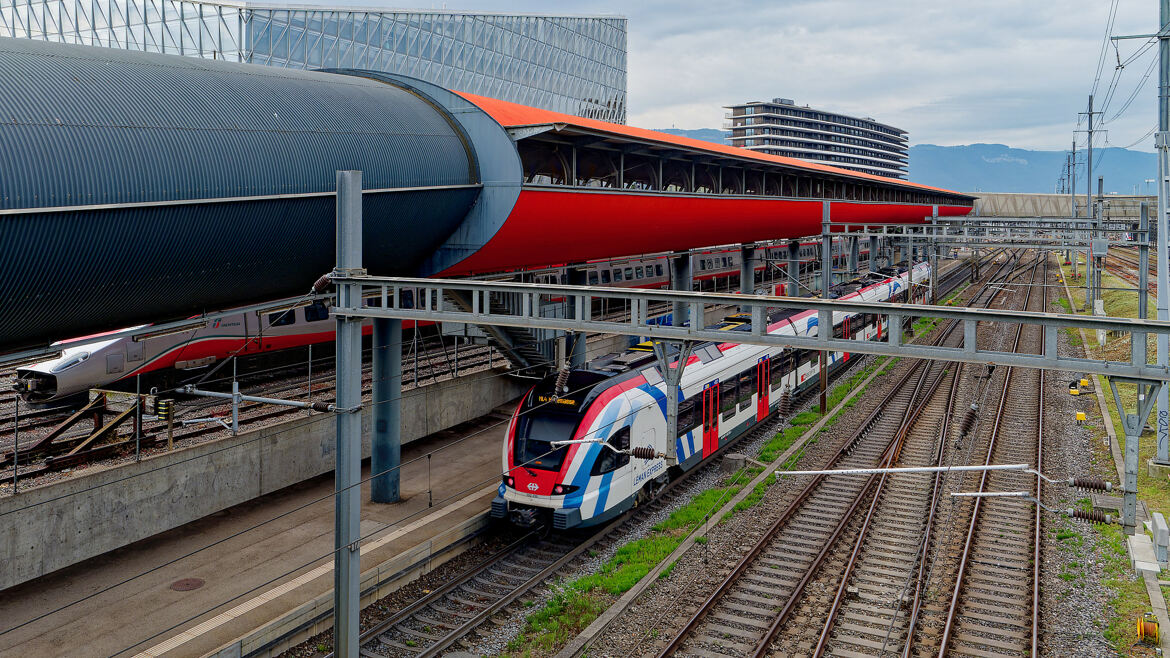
781	127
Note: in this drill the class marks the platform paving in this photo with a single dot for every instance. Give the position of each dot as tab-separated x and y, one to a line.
256	574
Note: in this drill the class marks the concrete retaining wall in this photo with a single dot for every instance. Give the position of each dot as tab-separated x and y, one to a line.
63	523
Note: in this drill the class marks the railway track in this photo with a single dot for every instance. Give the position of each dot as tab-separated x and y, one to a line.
755	601
995	603
445	617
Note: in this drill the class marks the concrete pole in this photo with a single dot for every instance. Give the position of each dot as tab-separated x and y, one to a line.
873	253
854	260
1162	226
793	268
680	279
386	443
347	475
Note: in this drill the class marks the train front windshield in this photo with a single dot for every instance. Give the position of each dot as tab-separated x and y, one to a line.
535	430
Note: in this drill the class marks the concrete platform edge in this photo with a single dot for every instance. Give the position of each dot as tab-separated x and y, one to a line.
316	616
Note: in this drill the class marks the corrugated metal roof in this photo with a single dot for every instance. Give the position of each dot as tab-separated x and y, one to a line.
512	115
82	125
140	187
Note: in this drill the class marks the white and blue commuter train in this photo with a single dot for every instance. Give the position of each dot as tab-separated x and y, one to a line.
726	389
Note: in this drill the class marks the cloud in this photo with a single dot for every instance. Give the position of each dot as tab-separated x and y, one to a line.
1000	71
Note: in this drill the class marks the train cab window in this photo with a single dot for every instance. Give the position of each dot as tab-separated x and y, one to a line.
658	269
617	274
316	312
535	431
638	273
608	460
593	278
629	274
604	276
281	318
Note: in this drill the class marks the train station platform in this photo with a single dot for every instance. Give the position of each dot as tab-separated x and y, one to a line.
257	562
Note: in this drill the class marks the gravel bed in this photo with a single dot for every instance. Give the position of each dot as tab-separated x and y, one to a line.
662	609
1073	606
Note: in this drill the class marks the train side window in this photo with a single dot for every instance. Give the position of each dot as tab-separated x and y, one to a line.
686	415
281	318
639	273
747	384
316	312
593	278
617	274
605	276
728	394
629	272
608	460
658	269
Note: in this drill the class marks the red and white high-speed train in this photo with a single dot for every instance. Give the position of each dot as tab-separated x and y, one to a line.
99	364
614	405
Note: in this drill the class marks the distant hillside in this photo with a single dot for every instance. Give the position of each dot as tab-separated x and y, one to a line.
1000	168
705	134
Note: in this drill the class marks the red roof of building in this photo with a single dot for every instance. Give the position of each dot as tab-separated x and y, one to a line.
512	115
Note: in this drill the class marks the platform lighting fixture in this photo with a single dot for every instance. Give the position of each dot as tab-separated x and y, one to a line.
169	330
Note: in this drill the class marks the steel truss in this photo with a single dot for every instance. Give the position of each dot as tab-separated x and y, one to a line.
429	299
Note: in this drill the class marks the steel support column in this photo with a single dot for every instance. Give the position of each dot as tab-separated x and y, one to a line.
747	269
576	340
347	474
854	260
793	267
672	377
873	253
1133	423
826	251
680	279
386	442
932	250
1162	225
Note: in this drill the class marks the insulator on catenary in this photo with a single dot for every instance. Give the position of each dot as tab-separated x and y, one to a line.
322	283
562	381
643	452
1096	484
322	407
1095	516
968	421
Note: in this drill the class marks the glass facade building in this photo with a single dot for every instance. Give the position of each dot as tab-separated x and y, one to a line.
783	128
570	64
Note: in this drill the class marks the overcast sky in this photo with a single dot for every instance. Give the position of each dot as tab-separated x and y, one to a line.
1013	72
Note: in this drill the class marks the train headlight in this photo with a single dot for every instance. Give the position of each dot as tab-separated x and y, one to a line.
510	481
562	489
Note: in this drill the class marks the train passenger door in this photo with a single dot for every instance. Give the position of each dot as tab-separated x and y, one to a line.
710	419
763	385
